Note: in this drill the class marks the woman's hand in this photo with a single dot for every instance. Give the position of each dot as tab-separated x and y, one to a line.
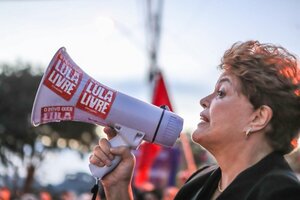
118	181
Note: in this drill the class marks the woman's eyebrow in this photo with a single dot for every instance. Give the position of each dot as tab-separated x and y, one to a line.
224	79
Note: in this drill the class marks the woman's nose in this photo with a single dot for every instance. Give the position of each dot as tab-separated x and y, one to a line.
205	102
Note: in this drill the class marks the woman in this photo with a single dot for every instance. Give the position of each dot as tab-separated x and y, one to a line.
249	121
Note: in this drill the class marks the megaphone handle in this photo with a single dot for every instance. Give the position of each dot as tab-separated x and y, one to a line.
125	137
99	172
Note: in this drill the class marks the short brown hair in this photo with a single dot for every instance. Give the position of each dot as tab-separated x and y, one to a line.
269	76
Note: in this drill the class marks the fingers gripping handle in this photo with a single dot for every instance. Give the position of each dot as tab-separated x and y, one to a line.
125	137
99	172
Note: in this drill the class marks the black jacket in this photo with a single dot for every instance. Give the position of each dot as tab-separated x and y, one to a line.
269	179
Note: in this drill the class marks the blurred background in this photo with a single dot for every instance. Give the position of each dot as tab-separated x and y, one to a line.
121	44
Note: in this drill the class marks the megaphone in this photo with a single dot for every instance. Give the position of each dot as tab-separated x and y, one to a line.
67	93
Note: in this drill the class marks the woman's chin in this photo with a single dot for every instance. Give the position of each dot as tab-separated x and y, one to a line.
202	127
202	133
198	135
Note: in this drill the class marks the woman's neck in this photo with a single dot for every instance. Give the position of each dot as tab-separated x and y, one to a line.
233	159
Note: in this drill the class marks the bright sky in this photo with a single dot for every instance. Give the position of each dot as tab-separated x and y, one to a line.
107	40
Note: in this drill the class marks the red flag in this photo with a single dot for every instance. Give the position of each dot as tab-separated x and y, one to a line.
160	94
149	151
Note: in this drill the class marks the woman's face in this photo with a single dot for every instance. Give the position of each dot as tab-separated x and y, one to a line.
226	115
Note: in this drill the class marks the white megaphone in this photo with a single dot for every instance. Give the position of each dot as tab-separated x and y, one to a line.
67	93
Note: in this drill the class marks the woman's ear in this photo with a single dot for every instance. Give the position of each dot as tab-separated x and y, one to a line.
261	118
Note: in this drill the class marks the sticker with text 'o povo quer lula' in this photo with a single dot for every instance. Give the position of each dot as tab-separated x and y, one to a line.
57	113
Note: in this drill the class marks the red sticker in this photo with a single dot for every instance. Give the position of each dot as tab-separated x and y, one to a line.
57	113
96	99
63	78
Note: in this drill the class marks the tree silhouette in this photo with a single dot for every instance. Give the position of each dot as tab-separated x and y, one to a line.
18	86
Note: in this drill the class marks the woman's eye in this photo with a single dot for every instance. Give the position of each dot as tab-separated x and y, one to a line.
220	93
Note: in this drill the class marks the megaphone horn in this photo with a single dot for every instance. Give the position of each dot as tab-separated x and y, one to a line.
67	93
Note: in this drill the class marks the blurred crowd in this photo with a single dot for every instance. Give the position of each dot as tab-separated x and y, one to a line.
149	193
146	191
6	194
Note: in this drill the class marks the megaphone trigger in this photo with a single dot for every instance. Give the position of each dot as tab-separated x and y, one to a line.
130	137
